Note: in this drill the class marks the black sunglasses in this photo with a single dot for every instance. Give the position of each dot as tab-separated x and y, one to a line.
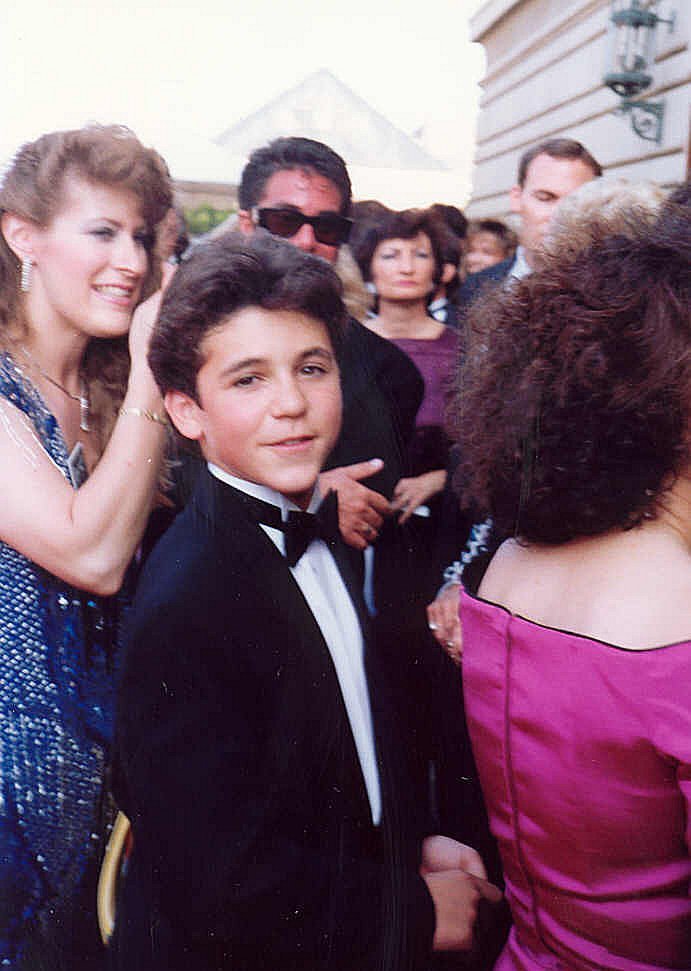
330	228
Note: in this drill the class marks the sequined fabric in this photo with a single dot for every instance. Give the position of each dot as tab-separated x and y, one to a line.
56	704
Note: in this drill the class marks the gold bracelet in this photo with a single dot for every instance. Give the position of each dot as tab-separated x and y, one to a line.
144	413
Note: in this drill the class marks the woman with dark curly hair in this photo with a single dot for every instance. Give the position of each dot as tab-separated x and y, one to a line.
81	443
575	431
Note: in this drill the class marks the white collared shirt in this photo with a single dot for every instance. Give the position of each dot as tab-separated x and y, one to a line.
520	267
439	309
322	586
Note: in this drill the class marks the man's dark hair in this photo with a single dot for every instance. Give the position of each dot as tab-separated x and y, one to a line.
557	148
400	225
292	153
225	276
452	216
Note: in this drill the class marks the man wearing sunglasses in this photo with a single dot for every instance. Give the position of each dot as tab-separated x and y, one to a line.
299	189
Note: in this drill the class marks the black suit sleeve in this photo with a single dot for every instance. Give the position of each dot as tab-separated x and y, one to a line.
382	391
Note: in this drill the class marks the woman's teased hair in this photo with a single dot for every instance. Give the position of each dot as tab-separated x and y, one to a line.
600	207
34	187
574	404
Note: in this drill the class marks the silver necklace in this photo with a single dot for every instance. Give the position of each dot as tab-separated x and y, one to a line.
82	397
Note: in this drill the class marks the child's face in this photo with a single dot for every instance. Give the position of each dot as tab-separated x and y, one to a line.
269	407
484	249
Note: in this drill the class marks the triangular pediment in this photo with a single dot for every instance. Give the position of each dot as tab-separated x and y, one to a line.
324	108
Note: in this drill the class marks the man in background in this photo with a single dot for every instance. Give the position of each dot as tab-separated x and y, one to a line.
299	189
547	172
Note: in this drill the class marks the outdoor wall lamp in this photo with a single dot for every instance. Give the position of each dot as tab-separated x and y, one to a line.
631	54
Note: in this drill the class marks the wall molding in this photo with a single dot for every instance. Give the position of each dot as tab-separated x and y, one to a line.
488	15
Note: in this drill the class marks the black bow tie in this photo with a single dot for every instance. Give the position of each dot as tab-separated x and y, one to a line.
300	528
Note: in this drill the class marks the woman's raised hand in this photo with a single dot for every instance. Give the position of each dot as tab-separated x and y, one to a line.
144	318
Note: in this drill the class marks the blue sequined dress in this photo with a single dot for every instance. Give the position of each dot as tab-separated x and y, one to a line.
56	707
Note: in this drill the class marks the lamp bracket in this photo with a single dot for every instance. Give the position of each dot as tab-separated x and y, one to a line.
646	117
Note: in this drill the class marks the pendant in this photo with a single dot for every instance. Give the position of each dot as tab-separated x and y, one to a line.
84	413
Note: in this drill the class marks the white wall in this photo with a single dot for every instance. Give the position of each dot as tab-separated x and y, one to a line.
545	61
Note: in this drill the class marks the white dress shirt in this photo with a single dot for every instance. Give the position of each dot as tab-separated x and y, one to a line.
439	309
520	267
322	586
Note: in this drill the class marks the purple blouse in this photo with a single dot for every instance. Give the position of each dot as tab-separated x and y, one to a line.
435	360
584	755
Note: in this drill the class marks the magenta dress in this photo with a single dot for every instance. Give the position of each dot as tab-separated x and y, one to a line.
584	754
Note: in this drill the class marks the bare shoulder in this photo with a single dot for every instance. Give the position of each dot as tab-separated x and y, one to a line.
663	594
632	589
506	568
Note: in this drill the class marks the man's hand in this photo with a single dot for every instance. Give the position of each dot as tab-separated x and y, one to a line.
443	853
444	622
413	492
361	510
456	895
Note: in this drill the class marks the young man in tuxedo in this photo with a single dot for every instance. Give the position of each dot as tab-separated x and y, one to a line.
274	824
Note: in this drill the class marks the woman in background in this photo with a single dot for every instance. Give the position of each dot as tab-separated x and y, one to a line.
81	443
403	259
575	431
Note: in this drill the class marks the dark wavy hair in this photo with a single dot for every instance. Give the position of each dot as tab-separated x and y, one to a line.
400	225
229	274
288	153
573	413
452	217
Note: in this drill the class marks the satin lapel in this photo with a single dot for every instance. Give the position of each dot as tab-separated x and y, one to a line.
283	615
253	554
246	549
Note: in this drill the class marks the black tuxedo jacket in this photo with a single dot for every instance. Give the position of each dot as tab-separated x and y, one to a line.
253	841
382	392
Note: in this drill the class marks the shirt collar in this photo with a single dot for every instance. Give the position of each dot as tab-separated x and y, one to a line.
520	266
262	491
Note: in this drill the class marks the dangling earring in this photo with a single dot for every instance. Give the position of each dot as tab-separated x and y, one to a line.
25	282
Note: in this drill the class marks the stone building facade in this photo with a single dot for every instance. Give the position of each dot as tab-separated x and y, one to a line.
545	63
